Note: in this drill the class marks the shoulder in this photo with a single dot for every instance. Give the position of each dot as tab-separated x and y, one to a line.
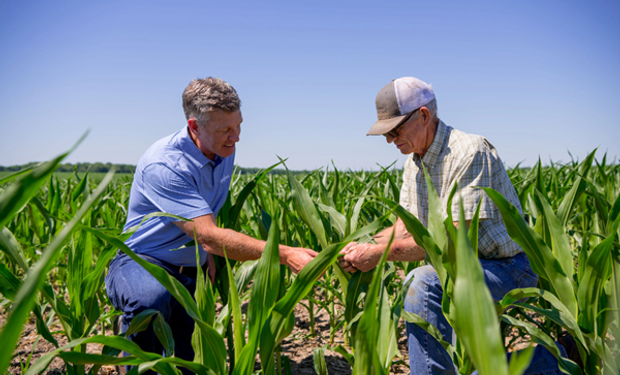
465	145
166	151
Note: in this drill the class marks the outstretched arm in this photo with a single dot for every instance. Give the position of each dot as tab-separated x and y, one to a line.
365	256
238	245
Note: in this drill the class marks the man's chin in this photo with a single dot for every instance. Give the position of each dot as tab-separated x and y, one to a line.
226	151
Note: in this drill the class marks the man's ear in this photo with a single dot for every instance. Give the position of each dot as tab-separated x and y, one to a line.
193	125
426	115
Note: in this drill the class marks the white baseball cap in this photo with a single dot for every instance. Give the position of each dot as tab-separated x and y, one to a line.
397	99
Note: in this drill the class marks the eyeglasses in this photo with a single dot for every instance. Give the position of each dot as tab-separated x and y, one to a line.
394	132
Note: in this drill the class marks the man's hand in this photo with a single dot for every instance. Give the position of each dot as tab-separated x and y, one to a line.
298	257
363	257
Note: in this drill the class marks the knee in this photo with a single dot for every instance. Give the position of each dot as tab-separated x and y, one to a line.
132	295
425	283
151	297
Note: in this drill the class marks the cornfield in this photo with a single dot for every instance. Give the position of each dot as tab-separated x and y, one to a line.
57	237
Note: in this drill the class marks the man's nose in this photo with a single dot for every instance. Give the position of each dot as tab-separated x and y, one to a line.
235	135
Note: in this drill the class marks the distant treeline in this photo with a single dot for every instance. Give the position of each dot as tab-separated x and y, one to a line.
121	168
80	167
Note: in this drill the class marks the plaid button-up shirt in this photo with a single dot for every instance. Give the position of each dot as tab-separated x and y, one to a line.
469	160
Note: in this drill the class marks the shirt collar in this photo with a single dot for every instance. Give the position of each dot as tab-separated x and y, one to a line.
434	150
188	146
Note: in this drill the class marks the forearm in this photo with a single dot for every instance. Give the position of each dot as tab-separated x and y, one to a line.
406	250
383	237
238	246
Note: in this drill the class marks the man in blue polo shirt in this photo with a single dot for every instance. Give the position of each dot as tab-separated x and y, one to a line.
187	174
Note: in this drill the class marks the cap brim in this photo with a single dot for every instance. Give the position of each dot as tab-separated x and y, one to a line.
383	126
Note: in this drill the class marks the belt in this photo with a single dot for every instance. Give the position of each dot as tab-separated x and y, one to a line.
191	272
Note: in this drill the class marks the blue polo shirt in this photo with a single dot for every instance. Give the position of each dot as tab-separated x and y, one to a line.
174	176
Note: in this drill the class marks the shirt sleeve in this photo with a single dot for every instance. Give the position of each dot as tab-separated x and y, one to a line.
173	192
470	176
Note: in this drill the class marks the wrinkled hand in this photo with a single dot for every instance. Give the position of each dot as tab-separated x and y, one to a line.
298	257
363	257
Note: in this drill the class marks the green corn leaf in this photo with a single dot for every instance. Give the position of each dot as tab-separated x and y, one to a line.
472	233
559	241
262	300
235	303
157	362
358	285
205	302
543	262
338	220
15	197
80	188
428	327
320	366
386	333
25	297
422	237
560	314
586	164
477	326
10	246
42	328
244	274
354	218
233	214
180	293
301	286
541	338
9	283
436	227
306	209
164	334
93	282
14	175
597	271
141	321
345	353
367	360
520	361
570	200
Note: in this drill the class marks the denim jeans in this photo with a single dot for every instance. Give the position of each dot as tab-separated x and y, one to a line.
132	289
426	355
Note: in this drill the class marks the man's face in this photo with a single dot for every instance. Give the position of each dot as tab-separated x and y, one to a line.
220	133
411	136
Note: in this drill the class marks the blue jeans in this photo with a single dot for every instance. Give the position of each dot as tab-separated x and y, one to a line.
426	355
132	289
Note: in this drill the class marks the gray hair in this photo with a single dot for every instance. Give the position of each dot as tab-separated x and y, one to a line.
202	96
432	108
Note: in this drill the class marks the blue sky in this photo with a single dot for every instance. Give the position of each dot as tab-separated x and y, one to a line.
537	78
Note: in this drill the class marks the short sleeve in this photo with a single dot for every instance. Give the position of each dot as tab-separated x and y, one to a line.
470	176
173	192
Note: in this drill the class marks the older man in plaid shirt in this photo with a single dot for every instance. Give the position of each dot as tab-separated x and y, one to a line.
407	117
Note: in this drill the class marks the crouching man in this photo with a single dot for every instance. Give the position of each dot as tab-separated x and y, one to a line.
188	174
407	117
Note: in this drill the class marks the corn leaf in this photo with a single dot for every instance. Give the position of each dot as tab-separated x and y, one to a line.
262	300
543	262
25	297
474	312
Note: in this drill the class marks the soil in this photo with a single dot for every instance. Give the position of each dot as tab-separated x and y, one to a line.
298	347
